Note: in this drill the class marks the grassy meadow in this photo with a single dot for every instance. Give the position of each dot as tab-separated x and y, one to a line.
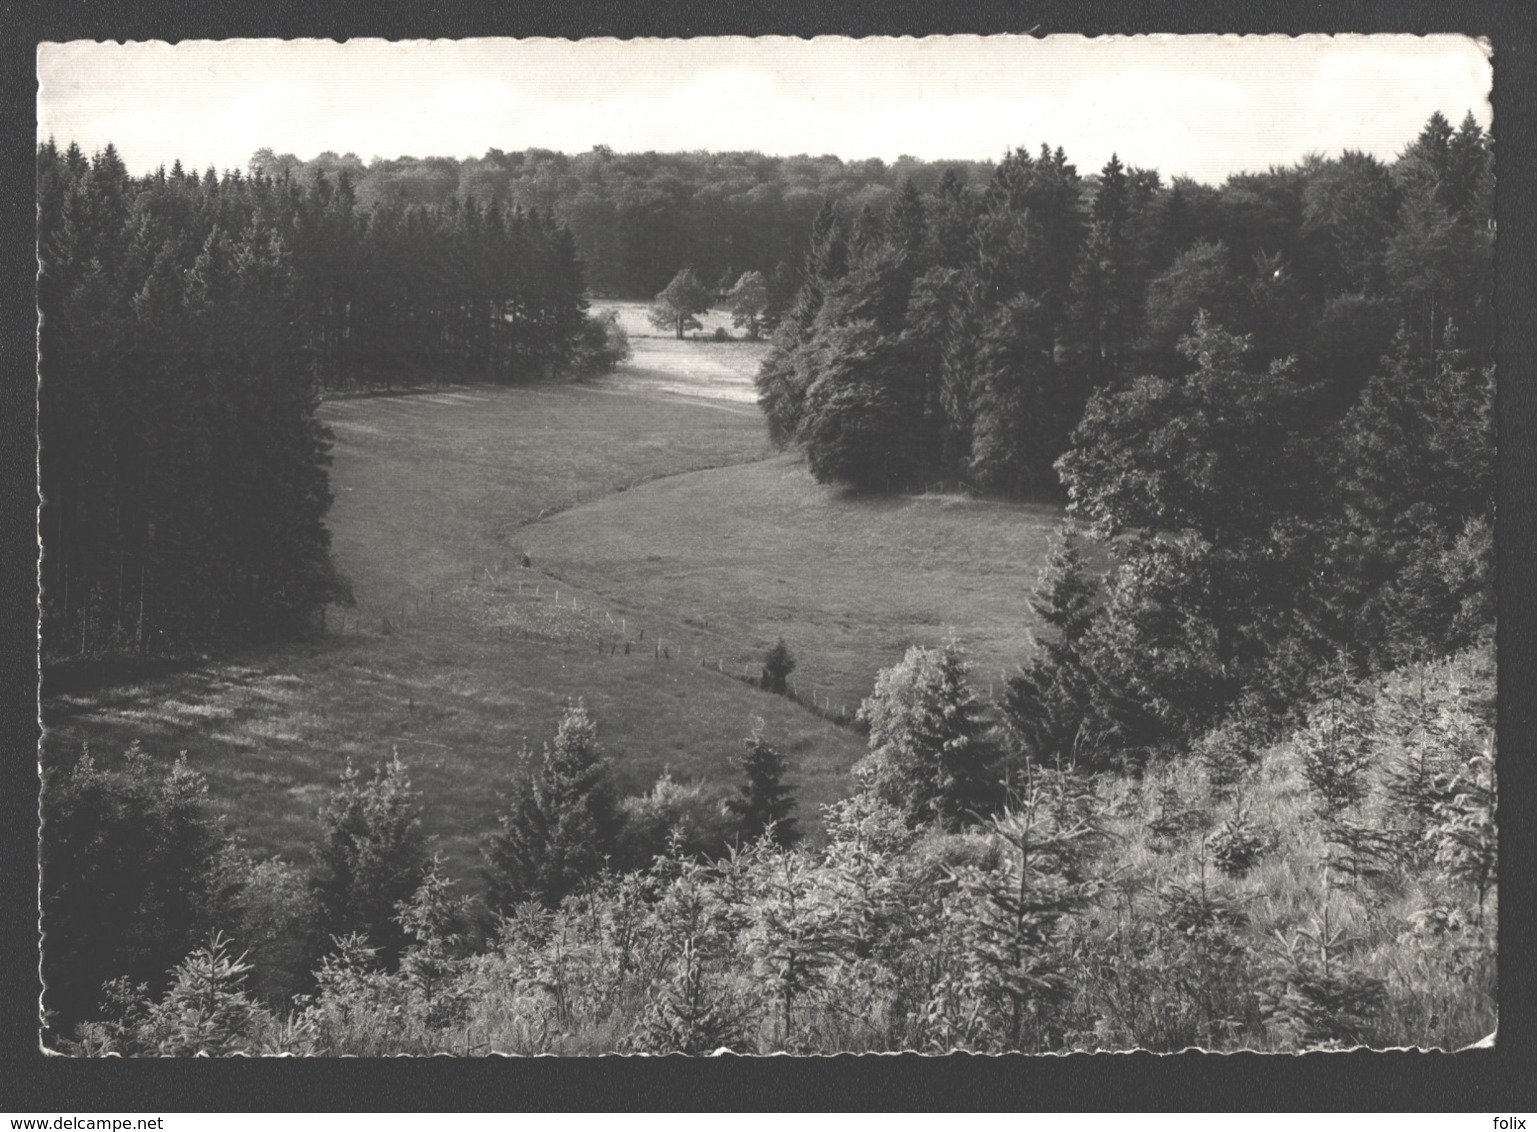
752	553
668	547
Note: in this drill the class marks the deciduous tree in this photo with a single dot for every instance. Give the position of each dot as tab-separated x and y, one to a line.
677	304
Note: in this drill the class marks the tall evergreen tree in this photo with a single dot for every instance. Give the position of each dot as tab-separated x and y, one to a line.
1048	701
763	801
372	855
562	823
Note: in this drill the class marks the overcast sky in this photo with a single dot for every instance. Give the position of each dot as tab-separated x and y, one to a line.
1201	105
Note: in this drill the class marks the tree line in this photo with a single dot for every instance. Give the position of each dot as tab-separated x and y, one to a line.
188	325
638	218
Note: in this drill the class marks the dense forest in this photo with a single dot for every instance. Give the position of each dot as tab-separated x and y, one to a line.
188	324
964	332
637	218
1242	795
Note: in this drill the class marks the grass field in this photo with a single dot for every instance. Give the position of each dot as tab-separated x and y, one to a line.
760	551
666	551
697	366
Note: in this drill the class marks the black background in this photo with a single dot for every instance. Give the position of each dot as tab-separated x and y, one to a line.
1501	1080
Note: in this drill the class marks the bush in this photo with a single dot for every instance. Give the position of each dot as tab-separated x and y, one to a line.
602	344
206	1012
673	819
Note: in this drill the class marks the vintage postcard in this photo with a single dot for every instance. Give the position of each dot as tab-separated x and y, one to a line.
767	545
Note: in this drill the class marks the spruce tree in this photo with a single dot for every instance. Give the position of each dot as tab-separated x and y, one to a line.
371	856
1048	702
932	751
763	800
562	823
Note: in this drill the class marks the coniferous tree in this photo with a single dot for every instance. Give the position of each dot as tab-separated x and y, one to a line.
748	298
1012	915
1416	469
129	878
789	368
932	753
562	823
1048	702
907	222
778	663
763	801
372	855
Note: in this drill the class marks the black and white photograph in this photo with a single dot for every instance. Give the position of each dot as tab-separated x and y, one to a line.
767	545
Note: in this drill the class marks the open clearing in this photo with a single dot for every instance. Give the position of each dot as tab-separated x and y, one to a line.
668	547
761	551
695	367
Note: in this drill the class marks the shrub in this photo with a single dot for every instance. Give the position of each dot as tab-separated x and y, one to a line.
205	1012
1466	838
275	917
602	344
672	818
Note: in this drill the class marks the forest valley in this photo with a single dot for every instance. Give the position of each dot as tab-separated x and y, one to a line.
1242	794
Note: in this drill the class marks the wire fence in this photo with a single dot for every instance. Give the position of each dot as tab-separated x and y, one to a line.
571	619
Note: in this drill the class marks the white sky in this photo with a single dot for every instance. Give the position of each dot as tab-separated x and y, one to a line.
1202	105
